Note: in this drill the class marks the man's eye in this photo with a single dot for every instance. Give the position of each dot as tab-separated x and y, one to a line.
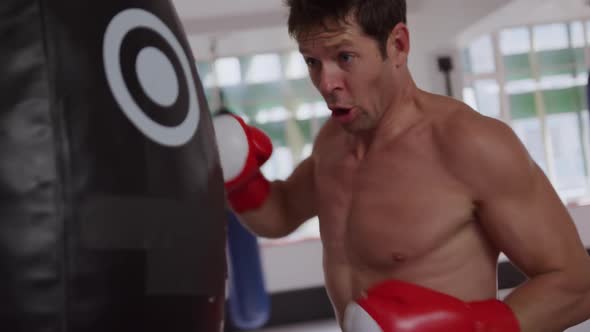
345	57
310	62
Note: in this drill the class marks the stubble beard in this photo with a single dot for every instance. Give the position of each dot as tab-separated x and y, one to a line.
362	124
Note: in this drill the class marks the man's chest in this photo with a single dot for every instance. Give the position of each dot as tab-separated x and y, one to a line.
388	205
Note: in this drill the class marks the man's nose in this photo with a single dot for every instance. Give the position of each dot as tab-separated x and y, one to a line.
330	81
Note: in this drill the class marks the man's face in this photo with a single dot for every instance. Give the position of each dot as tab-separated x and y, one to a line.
350	72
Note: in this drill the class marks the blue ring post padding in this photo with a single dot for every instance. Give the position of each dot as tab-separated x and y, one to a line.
588	93
249	303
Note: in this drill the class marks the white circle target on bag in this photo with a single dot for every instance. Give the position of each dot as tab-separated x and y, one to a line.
155	74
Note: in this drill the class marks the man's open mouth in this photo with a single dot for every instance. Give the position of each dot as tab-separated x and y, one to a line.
340	111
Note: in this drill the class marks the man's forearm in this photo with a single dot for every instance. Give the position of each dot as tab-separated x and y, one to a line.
271	220
551	302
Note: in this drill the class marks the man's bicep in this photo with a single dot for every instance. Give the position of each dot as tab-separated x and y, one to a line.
531	225
516	204
300	195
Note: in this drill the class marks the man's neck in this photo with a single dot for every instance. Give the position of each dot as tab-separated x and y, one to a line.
403	113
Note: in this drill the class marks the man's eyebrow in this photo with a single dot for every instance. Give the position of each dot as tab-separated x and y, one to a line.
336	45
343	42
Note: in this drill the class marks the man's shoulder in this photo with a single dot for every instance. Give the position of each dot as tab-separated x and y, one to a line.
462	129
452	118
481	150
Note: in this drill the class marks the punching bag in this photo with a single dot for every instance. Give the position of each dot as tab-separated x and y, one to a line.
111	195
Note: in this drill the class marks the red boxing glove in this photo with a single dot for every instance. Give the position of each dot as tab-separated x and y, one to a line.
242	150
395	306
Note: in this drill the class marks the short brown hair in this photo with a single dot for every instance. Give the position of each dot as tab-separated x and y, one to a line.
375	17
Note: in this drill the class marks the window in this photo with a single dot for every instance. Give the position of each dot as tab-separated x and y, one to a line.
487	97
481	56
550	37
227	71
469	97
206	74
296	67
568	157
515	41
542	76
530	132
515	46
577	34
264	68
275	114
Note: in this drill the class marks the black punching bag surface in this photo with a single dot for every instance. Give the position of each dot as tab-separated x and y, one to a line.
111	195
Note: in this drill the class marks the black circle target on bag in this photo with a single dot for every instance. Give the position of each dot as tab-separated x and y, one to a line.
160	87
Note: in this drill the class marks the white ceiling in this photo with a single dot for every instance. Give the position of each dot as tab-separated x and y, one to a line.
206	16
518	12
223	8
248	26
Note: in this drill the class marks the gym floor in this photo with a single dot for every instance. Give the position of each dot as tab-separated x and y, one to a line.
318	326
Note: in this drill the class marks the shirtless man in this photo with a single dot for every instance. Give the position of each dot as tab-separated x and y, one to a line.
416	193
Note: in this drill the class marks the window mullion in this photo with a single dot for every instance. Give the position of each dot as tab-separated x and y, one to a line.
584	127
505	113
541	109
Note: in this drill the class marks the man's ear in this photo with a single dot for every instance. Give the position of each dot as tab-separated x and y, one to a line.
398	44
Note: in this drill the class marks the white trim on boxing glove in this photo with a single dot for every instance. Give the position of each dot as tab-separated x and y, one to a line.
356	319
232	144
